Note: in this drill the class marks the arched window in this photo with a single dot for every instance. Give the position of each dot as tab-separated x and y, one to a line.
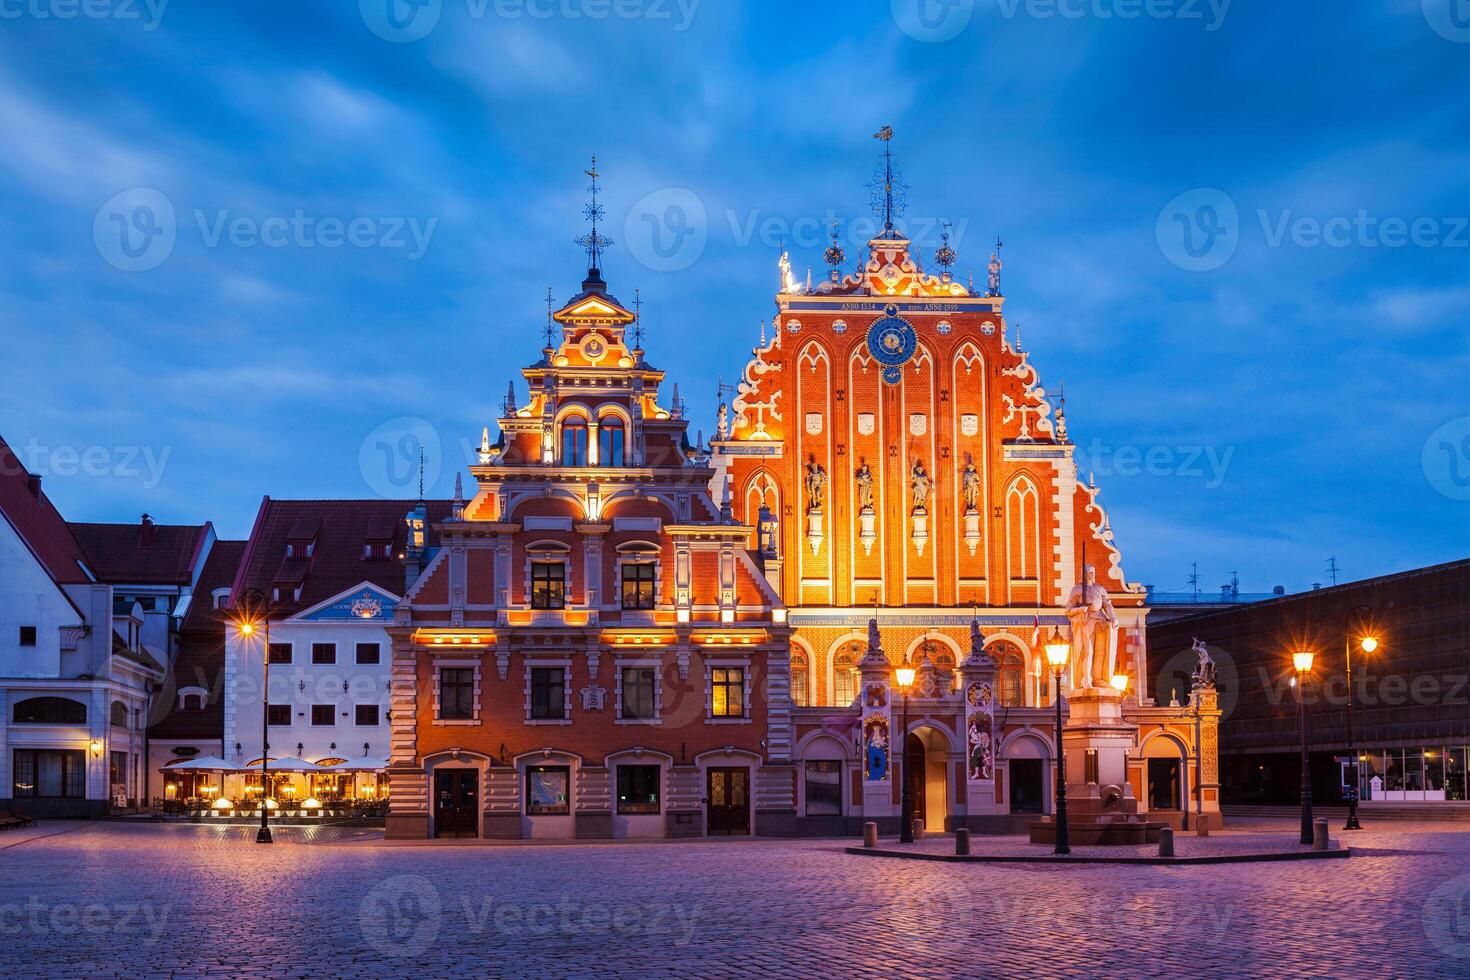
845	674
611	441
119	714
1012	677
800	679
574	442
50	711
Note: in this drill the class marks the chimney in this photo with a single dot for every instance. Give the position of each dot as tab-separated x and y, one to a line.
145	533
1279	590
33	482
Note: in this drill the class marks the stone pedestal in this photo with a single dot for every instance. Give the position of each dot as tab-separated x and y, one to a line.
972	530
867	529
814	529
921	529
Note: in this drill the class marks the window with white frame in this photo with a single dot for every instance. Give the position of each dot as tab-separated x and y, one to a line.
727	692
638	692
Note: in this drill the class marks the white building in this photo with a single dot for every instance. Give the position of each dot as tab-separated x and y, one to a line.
75	674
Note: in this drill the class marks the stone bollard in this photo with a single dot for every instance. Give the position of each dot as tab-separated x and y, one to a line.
1201	825
1319	834
870	834
918	829
961	841
1166	842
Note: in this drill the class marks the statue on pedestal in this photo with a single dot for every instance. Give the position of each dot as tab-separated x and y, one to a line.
1204	674
865	487
816	485
1094	632
923	483
970	487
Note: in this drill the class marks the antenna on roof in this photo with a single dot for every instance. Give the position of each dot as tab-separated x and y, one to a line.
421	473
1194	579
1332	569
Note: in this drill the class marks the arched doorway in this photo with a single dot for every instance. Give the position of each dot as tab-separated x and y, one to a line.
1167	773
926	772
1027	773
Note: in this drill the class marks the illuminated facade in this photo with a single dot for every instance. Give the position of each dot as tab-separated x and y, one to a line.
906	465
591	649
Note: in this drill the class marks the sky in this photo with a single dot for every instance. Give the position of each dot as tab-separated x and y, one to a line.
272	247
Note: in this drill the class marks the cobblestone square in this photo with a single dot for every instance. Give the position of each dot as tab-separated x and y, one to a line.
111	899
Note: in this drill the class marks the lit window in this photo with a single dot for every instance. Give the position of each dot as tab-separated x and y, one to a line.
548	790
548	585
1012	692
844	674
727	692
638	590
800	679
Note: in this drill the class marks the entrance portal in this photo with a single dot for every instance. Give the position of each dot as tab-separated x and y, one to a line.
456	803
1027	785
729	802
1164	784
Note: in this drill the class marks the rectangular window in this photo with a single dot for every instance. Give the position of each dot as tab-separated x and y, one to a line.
50	774
548	693
824	788
27	636
366	714
547	790
548	585
369	653
278	715
638	586
638	687
280	653
727	692
456	693
638	789
323	714
324	653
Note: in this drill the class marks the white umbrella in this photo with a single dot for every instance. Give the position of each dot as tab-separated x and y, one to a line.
367	764
290	764
208	763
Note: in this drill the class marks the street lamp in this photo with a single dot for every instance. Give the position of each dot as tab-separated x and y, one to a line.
1302	661
257	602
1368	643
906	817
1057	651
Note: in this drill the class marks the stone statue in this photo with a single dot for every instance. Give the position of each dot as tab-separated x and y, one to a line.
816	485
1094	632
865	487
970	486
1204	674
722	422
922	484
875	642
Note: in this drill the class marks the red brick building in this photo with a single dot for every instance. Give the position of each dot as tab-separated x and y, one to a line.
590	650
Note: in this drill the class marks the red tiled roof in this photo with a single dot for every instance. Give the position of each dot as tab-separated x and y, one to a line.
338	530
201	657
144	553
38	522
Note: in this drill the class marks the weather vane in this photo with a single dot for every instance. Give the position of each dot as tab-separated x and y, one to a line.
638	319
835	255
889	192
550	303
945	255
593	242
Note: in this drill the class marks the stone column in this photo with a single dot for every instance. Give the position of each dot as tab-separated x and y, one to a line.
878	731
977	690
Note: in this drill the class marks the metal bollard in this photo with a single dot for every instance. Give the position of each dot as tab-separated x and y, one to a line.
1319	834
870	834
918	829
961	841
1166	842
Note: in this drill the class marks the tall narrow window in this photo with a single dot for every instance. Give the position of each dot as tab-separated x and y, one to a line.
548	585
574	442
799	679
845	674
639	684
611	441
638	585
548	693
1012	675
727	693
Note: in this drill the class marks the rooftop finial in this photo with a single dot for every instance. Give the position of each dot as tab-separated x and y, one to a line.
421	473
550	320
945	255
638	319
835	255
995	266
594	243
888	190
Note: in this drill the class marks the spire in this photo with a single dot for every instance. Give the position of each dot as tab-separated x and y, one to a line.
638	319
594	243
888	189
421	474
1061	427
510	402
727	513
458	497
675	408
550	320
995	266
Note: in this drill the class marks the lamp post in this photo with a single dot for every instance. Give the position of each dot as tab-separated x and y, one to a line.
1369	643
1303	663
906	796
1057	651
257	601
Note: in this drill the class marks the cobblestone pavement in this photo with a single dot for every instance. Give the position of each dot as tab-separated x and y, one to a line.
108	900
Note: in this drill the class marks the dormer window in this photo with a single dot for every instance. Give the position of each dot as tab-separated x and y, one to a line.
574	442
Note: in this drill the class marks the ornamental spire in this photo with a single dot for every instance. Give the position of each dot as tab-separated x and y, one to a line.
594	243
888	187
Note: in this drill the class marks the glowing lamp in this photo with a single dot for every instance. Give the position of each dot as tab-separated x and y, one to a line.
1369	644
247	629
1120	682
905	676
96	747
1303	661
1057	650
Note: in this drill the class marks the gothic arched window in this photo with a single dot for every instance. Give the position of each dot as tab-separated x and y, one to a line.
1012	675
574	442
845	674
611	441
800	679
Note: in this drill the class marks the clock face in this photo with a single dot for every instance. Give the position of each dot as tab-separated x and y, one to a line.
891	342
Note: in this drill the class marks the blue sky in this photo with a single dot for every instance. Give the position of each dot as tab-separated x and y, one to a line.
1286	383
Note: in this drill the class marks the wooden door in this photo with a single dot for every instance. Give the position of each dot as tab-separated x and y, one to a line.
729	802
456	803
